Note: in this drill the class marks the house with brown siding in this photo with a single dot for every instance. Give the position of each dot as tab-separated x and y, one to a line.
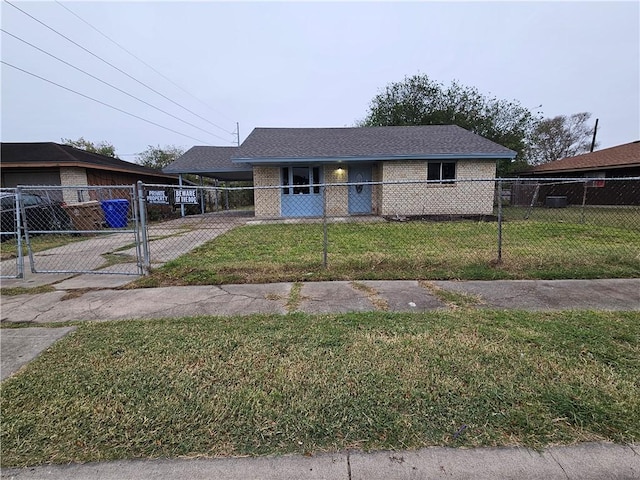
49	163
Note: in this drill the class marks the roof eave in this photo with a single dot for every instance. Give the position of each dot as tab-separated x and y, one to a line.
206	171
375	158
78	164
586	169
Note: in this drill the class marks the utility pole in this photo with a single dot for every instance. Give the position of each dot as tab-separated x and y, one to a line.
593	141
238	131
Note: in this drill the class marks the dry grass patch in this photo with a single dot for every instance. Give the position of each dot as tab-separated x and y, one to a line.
311	383
463	250
372	294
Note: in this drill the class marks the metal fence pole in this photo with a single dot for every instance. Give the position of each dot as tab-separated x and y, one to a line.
500	220
584	201
325	242
146	260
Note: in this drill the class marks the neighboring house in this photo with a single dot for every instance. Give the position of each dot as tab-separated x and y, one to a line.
615	162
298	158
50	163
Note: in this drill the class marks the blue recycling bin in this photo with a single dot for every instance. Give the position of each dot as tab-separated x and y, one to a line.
116	212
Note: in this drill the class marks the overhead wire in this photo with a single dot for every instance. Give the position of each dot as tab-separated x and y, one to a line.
109	63
147	65
101	102
109	84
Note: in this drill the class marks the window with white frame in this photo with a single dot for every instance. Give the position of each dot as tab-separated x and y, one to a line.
300	180
444	172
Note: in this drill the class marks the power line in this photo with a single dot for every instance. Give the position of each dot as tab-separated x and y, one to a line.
100	102
109	84
144	63
108	63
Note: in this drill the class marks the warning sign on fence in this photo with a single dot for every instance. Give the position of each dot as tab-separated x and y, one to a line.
186	197
157	197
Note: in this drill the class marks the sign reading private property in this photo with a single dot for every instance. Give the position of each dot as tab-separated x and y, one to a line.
186	196
157	197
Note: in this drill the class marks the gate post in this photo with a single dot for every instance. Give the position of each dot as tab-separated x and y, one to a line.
146	261
20	264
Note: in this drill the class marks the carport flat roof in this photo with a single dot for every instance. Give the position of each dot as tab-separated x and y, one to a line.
211	162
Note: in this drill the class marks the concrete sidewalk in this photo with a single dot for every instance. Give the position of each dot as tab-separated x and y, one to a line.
587	461
84	298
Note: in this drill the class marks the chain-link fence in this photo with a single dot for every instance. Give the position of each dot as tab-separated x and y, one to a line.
462	228
511	228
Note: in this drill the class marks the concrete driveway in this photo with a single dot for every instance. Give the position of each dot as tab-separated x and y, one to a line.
115	252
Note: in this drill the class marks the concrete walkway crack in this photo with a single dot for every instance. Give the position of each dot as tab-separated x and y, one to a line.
559	464
349	464
373	295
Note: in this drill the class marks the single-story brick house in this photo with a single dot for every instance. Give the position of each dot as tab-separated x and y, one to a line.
292	160
621	161
50	163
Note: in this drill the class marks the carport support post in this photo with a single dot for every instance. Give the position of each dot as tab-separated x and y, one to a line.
146	260
499	220
182	204
202	192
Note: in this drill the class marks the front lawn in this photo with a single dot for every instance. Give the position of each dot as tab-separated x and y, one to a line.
468	250
304	384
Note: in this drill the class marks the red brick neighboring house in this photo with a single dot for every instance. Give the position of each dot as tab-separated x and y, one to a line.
621	161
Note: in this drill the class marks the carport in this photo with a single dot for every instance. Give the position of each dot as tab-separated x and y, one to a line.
210	162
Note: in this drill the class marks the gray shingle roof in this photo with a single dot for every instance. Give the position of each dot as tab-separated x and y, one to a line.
416	141
214	161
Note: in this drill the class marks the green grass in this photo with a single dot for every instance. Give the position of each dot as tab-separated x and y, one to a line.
532	249
303	384
14	291
39	243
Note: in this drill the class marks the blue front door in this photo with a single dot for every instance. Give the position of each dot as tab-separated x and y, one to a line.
359	195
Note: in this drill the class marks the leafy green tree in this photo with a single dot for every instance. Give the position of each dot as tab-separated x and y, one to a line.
418	100
102	148
560	137
157	157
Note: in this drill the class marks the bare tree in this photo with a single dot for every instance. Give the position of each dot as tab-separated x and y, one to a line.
102	148
159	157
560	137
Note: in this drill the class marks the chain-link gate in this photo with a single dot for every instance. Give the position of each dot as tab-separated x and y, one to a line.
80	229
11	251
177	219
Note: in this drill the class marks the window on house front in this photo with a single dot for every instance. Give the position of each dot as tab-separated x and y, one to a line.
445	172
302	179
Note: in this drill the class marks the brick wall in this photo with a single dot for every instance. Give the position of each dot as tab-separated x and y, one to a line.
266	201
337	197
72	176
459	198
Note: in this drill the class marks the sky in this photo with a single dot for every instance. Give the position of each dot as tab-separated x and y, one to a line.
187	73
